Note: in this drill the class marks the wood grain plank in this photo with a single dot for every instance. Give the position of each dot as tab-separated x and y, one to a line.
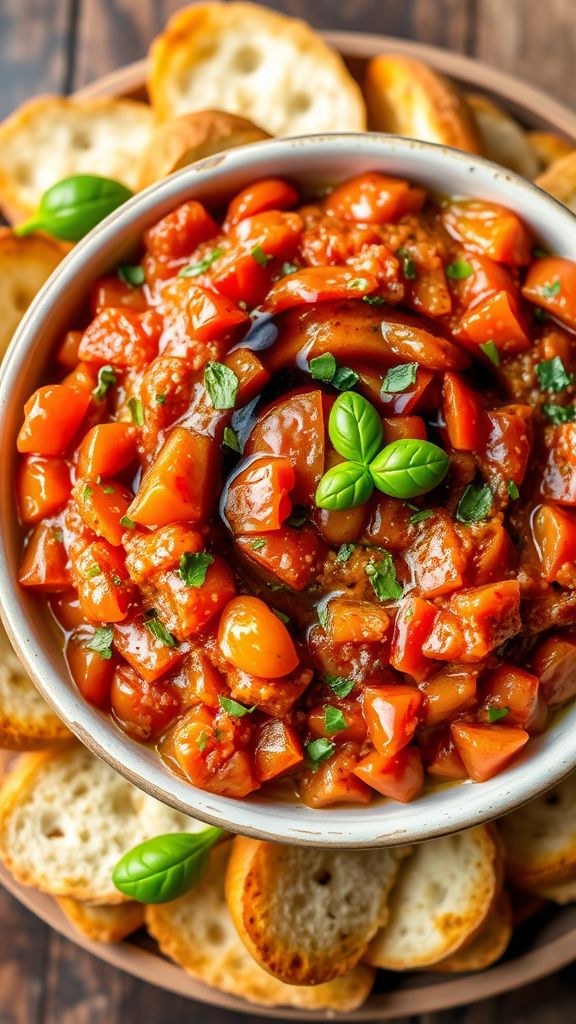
34	41
23	951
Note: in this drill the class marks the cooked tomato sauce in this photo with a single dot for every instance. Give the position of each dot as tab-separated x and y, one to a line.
301	494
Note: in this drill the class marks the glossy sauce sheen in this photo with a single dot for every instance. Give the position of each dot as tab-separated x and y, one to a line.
168	479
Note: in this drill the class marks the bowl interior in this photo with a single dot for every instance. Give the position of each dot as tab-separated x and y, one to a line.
313	161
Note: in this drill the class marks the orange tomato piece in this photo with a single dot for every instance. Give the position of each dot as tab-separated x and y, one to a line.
389	526
435	555
107	449
446	693
395	428
413	623
513	689
496	318
277	750
121	337
111	293
84	378
67	354
490	615
241	279
551	284
44	563
445	642
428	292
150	658
318	284
463	412
104	590
66	609
392	714
257	498
251	373
293	427
52	417
146	553
267	194
400	777
334	781
103	506
493	555
554	662
254	639
487	749
351	621
559	474
421	396
487	277
204	683
374	199
209	748
200	313
490	229
554	533
143	708
441	756
180	483
269	235
274	697
91	672
186	610
181	231
43	487
508	442
289	555
355	730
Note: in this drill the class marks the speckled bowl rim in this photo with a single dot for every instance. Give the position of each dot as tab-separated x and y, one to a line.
315	159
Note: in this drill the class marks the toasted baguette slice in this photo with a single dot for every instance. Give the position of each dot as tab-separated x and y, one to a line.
25	265
101	922
503	140
548	147
487	947
66	818
559	180
197	932
183	140
406	97
255	62
444	895
540	839
26	721
52	137
307	915
559	892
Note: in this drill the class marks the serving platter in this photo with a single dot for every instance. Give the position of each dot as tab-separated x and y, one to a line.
543	944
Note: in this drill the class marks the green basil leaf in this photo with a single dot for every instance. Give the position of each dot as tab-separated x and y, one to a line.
164	868
420	517
400	378
161	399
551	289
195	269
101	641
374	300
230	439
221	384
513	491
552	375
344	379
281	615
341	686
344	552
126	522
159	631
318	750
459	270
256	545
491	352
262	258
232	707
289	268
194	566
408	468
73	206
355	428
136	411
344	486
382	576
132	274
495	714
323	367
94	571
106	378
475	504
558	414
334	720
408	264
322	611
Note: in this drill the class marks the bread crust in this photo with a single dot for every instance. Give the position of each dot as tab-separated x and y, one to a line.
102	922
25	265
406	97
183	140
559	180
487	946
503	140
548	147
540	840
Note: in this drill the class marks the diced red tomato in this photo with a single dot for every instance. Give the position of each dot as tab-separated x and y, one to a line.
554	533
159	549
495	319
490	229
268	235
554	662
104	589
121	337
205	684
351	711
200	313
110	292
414	620
149	657
44	563
493	555
257	499
513	690
278	749
209	747
180	483
52	417
400	777
463	411
267	194
66	609
374	198
445	641
107	449
350	621
143	708
181	231
392	715
91	672
441	756
254	639
421	396
67	354
334	781
394	428
292	556
487	749
447	693
294	428
435	556
508	442
186	610
318	284
103	507
490	615
559	474
242	279
43	487
551	284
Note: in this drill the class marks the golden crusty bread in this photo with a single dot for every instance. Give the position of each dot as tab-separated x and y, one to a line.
257	63
197	932
540	839
52	137
406	97
25	265
66	818
487	946
503	140
102	922
307	915
26	721
559	892
559	180
183	140
548	147
443	896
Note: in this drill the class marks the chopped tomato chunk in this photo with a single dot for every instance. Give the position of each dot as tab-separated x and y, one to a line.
511	690
464	416
181	231
400	777
91	672
554	532
435	556
509	440
447	693
551	284
318	284
183	609
103	507
53	416
294	428
496	319
350	621
104	589
392	714
257	499
144	708
43	487
150	657
487	749
490	229
107	449
179	484
268	194
412	625
554	662
490	615
209	747
289	555
159	549
122	338
45	564
374	198
334	781
111	292
278	749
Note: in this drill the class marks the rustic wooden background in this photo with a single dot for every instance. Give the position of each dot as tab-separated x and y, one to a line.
57	46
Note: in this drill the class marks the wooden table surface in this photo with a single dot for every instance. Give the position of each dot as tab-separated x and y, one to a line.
57	46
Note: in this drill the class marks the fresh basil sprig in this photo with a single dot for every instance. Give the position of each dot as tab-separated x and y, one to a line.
355	428
164	868
73	206
346	485
409	467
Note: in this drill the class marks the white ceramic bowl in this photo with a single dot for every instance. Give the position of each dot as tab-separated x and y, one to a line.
313	159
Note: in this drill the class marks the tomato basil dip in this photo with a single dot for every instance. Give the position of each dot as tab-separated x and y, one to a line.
300	493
